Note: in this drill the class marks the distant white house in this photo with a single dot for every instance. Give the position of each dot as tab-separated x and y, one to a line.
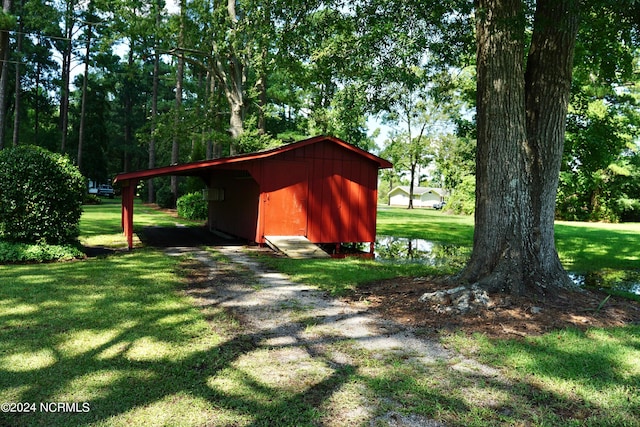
423	197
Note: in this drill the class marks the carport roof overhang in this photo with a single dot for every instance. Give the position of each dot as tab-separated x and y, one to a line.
198	168
129	180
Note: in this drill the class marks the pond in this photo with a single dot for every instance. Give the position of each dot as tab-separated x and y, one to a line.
616	280
438	254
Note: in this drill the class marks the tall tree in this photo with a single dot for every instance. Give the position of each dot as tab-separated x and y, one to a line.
6	22
39	74
521	114
17	96
604	121
158	6
87	57
175	145
69	26
413	146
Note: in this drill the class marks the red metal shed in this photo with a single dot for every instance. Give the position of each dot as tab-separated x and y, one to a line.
322	188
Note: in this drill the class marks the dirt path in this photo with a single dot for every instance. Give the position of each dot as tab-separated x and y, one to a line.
327	353
298	331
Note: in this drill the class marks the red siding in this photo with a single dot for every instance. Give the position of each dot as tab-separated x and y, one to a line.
342	195
284	199
321	187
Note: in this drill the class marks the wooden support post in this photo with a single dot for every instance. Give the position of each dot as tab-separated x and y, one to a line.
128	196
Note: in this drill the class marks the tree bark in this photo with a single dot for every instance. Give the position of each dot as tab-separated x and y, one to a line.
36	107
4	74
412	179
232	75
547	92
175	145
520	121
18	86
66	74
83	107
128	108
151	193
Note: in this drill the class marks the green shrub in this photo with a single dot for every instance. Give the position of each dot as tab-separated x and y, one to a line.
192	206
164	197
23	252
463	197
91	199
40	196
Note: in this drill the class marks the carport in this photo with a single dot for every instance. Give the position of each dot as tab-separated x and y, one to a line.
321	188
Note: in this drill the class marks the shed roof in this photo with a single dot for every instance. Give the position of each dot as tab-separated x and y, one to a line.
420	190
194	167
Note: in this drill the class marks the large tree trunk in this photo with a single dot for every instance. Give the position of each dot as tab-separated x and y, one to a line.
547	92
520	119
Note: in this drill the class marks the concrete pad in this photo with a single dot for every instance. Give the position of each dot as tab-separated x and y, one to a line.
295	247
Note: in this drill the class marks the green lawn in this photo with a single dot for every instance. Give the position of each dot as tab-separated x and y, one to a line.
582	247
118	337
101	225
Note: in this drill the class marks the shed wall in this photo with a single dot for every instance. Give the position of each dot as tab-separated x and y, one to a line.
342	194
237	214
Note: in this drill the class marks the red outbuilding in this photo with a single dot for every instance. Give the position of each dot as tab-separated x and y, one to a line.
321	188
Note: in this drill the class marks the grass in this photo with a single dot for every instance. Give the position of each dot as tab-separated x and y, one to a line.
100	225
119	334
583	247
340	276
582	378
425	224
111	332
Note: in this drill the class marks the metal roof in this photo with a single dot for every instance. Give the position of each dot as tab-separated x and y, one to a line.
194	167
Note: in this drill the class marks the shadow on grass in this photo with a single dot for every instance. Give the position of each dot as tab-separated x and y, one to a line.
109	333
575	377
114	333
588	249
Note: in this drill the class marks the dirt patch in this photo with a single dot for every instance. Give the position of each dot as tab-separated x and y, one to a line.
294	335
506	316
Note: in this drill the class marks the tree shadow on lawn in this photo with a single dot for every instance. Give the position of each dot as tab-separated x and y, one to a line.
115	334
594	249
578	376
134	354
123	349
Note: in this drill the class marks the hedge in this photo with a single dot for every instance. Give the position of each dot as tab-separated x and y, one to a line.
40	196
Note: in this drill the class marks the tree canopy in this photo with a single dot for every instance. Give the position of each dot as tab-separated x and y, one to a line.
124	85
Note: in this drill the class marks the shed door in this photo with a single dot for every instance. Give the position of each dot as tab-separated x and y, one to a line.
285	199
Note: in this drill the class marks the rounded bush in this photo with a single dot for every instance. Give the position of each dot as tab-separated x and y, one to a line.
192	206
40	196
164	197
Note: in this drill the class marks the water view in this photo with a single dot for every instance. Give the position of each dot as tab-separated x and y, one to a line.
440	254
